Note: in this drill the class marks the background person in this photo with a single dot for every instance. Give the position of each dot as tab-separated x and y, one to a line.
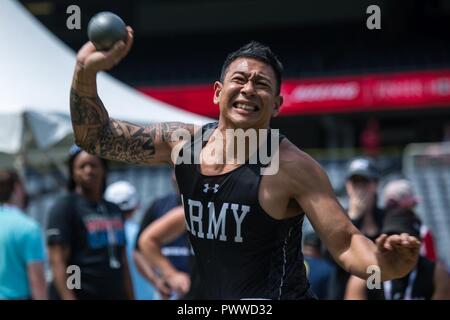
362	178
21	244
400	194
427	281
126	197
87	231
174	283
319	269
177	250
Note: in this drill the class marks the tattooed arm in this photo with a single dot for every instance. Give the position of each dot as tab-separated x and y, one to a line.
109	138
120	140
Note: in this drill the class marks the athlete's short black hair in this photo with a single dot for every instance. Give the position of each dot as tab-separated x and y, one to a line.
257	51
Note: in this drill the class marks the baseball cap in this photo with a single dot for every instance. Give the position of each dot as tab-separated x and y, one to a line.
399	192
74	150
401	220
364	167
123	194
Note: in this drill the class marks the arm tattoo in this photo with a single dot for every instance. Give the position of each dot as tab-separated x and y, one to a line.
114	139
168	128
124	141
89	116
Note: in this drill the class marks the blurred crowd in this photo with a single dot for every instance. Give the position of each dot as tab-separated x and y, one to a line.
430	279
93	249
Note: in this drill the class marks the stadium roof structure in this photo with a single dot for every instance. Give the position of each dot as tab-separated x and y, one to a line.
35	75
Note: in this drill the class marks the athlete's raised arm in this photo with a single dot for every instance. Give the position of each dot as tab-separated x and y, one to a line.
101	135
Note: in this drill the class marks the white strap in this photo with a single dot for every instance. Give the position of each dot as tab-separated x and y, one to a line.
408	292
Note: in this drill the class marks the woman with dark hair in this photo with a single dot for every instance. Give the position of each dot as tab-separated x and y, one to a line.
73	153
85	236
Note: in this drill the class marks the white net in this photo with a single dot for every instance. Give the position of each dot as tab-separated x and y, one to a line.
428	168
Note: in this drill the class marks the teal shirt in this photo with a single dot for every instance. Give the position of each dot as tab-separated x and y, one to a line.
21	243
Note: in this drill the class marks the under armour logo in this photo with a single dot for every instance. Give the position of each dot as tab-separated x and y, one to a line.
207	187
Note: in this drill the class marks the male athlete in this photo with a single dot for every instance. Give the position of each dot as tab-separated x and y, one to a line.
245	227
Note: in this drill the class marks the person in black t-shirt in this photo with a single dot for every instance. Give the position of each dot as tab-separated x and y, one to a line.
362	178
85	237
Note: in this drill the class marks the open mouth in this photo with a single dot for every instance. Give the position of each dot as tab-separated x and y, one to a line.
246	107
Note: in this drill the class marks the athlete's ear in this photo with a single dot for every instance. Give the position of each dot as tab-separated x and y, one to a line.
277	105
217	90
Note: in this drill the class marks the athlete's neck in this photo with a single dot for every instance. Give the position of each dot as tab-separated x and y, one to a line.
224	124
94	196
237	144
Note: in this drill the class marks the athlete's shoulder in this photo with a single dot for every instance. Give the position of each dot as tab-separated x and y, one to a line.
296	163
291	155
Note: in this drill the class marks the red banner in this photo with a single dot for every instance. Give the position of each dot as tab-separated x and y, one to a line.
331	95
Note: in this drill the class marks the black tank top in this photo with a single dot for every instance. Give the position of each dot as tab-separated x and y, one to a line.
241	251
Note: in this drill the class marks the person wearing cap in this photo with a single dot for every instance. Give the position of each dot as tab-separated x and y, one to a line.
362	176
426	281
399	193
85	236
126	197
361	184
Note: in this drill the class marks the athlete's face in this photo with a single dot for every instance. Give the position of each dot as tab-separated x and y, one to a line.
247	97
88	172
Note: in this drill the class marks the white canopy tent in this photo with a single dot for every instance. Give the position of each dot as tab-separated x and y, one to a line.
35	75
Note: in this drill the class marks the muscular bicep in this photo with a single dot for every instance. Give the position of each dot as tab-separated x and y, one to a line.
124	141
152	144
120	140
